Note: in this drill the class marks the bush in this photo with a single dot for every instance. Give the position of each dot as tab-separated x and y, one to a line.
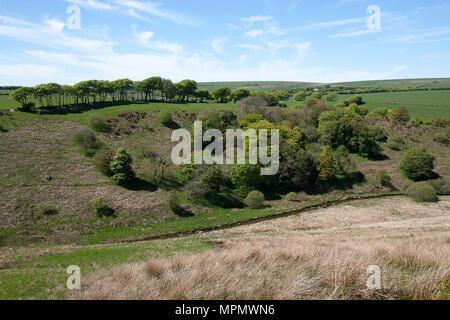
103	160
441	186
394	146
417	164
399	115
100	208
48	209
173	202
291	197
442	137
255	199
3	128
98	124
384	179
88	142
165	118
422	192
121	168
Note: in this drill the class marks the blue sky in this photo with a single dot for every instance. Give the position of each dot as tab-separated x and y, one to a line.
209	40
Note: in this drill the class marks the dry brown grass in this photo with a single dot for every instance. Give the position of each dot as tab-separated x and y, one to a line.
285	263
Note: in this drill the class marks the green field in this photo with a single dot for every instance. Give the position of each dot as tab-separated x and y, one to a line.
423	104
256	85
397	83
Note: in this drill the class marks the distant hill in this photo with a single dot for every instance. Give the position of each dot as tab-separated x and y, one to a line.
256	85
285	85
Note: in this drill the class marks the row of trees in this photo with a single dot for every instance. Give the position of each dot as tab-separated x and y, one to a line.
100	91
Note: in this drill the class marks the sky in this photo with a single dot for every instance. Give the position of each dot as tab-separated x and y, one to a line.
67	41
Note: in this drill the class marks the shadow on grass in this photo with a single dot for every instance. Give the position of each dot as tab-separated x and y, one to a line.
184	213
141	185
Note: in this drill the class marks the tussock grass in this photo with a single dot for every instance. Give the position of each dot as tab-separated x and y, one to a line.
282	268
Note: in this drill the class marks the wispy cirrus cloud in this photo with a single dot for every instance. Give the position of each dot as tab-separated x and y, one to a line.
137	9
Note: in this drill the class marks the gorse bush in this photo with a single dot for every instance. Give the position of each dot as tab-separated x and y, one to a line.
122	172
417	164
423	192
255	199
165	118
291	197
99	124
384	179
87	141
103	160
441	186
399	115
173	202
48	209
100	208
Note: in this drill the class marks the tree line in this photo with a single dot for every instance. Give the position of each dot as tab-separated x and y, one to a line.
54	95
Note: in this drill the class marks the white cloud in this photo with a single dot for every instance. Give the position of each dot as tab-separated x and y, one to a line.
257	18
218	44
250	46
136	9
144	38
254	33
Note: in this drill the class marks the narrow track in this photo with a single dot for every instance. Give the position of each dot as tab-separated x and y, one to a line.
323	205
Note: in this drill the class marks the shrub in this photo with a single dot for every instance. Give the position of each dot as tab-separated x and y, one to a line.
399	115
423	192
173	202
213	179
418	121
417	164
100	208
48	209
165	118
394	146
103	160
3	128
87	141
98	124
255	199
291	197
196	189
379	113
440	122
384	179
442	137
121	168
441	186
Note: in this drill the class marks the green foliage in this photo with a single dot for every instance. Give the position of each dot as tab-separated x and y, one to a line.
173	202
379	113
239	94
342	160
440	122
316	95
213	179
326	165
122	172
98	124
165	118
442	138
255	199
355	108
384	179
417	164
214	118
103	160
100	208
250	119
332	96
338	128
202	95
300	96
422	192
87	141
399	115
418	121
298	106
246	177
441	186
291	197
221	95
